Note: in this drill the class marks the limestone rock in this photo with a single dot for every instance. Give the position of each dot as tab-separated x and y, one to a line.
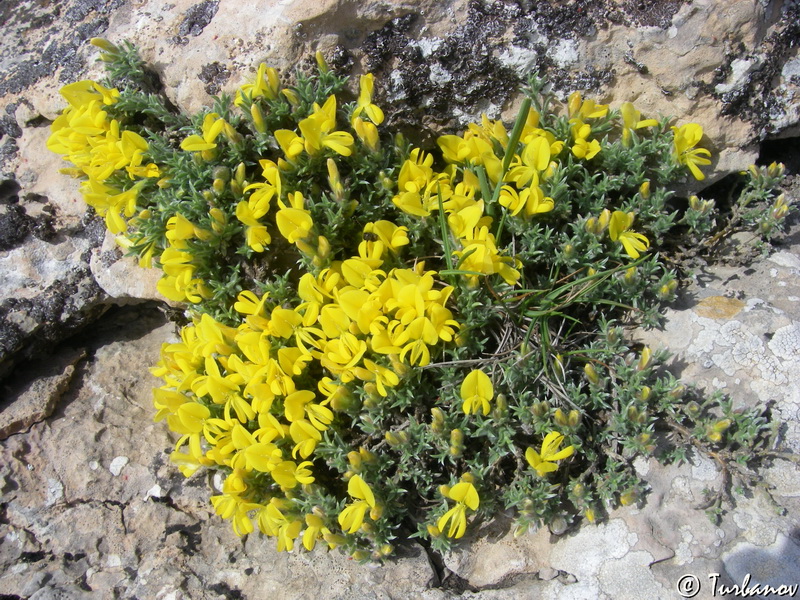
34	400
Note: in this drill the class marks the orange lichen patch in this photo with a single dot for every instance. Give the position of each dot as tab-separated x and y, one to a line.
719	307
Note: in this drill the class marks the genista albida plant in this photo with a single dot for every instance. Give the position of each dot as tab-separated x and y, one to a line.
387	342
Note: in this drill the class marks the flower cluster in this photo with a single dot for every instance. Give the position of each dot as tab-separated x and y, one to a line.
103	153
378	339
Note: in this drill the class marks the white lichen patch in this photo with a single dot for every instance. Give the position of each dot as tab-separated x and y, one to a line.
630	577
521	60
117	465
703	468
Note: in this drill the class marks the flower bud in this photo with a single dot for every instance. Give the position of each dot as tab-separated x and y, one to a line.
644	393
603	220
354	458
644	190
107	46
722	425
291	96
223	173
776	169
321	64
376	512
501	404
590	515
574	104
692	409
468	478
678	391
644	359
560	417
333	540
258	118
628	498
574	418
540	409
433	531
367	456
392	439
457	438
591	373
437	422
218	186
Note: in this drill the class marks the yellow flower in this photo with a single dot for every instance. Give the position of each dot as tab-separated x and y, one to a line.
364	104
544	461
631	119
266	83
352	517
212	127
619	230
686	138
317	130
585	109
476	392
294	222
466	496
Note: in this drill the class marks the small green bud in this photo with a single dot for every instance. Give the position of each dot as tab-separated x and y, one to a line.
644	359
591	373
437	422
678	391
354	458
644	393
218	186
568	250
223	173
376	512
776	169
722	425
392	439
501	404
692	409
367	456
457	438
321	64
540	409
579	490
